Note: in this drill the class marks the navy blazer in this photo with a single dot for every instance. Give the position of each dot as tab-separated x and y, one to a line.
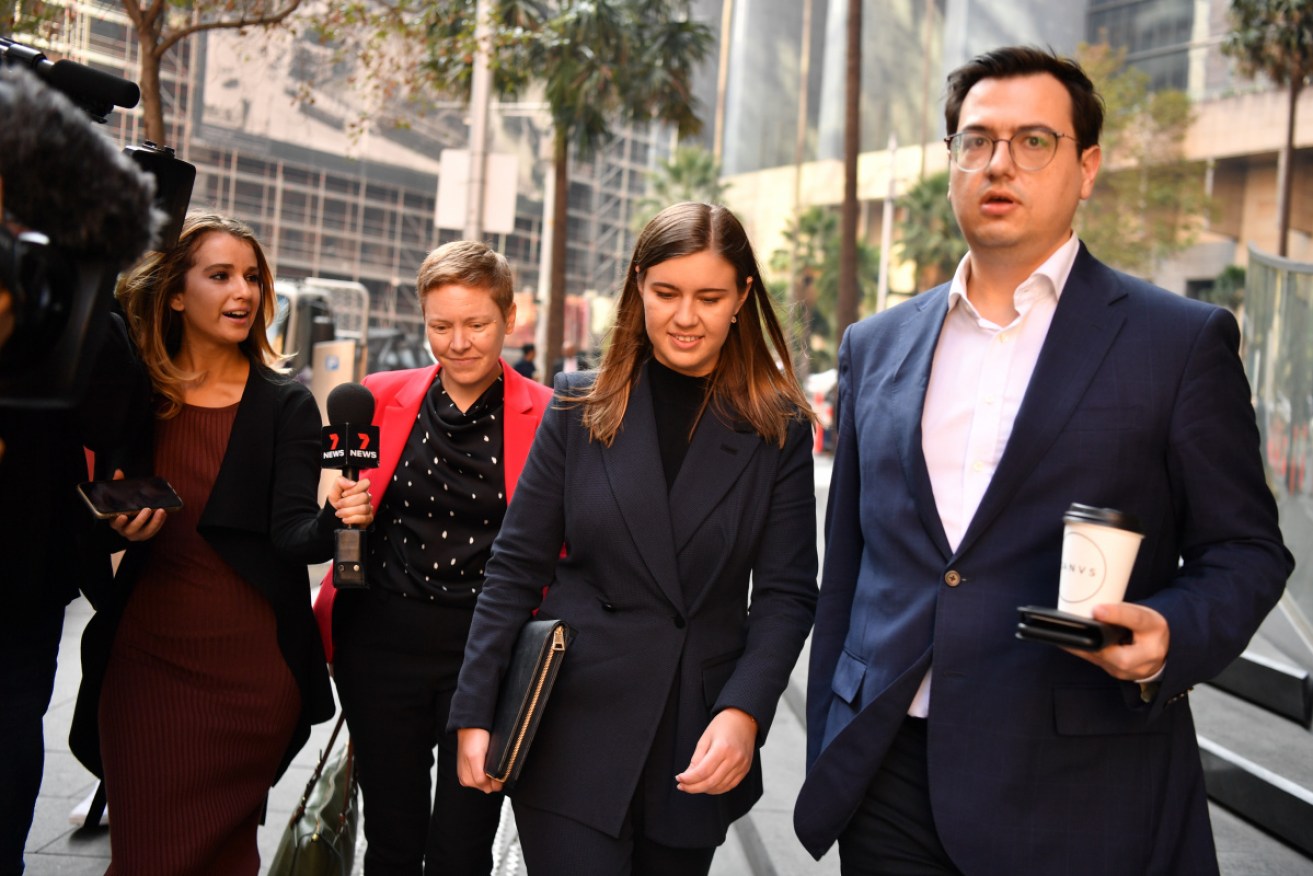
264	519
656	586
1038	761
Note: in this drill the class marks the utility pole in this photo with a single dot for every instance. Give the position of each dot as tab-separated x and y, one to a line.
802	364
480	96
887	226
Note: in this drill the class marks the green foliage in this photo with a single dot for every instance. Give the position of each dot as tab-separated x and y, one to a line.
691	174
28	18
815	237
599	62
929	236
1228	288
1149	201
1273	38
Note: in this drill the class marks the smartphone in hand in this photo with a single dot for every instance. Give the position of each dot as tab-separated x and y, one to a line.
128	496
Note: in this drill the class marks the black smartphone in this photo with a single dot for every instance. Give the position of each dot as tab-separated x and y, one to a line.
128	496
1069	630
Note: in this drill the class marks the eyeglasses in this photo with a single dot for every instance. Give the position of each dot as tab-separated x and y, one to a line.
1030	148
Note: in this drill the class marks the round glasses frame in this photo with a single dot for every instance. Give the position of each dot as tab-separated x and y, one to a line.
1031	149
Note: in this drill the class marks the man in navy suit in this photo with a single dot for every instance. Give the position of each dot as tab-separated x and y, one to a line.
971	418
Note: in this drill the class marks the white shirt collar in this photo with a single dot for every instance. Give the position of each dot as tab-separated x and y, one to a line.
1050	277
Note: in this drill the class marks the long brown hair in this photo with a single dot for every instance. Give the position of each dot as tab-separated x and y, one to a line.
748	383
146	290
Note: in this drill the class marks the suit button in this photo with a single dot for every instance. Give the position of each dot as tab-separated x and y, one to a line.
679	622
952	578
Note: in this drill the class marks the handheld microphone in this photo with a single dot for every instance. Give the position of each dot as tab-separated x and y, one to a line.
350	443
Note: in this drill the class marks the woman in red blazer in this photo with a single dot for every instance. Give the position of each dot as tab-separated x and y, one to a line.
453	439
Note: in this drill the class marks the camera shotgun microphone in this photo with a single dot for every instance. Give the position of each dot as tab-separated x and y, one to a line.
350	443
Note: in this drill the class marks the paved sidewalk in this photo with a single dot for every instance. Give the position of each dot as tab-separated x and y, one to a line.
761	844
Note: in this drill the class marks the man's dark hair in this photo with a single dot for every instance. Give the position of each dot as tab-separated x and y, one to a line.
1012	61
528	350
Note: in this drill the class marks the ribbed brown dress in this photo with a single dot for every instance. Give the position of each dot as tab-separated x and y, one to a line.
198	704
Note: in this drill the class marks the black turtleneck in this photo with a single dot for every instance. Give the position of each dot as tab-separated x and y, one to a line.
676	400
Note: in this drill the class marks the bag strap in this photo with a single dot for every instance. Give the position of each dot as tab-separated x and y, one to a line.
349	789
319	768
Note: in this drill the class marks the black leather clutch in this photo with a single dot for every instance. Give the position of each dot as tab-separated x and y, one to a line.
1069	630
525	688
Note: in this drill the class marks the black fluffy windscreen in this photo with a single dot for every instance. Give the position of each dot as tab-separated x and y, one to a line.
64	178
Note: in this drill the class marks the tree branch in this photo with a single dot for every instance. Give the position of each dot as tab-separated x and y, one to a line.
172	38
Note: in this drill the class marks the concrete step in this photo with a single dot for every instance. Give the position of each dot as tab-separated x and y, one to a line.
1246	850
1264	777
1268	677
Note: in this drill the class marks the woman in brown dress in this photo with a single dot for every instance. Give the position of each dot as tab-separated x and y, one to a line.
203	670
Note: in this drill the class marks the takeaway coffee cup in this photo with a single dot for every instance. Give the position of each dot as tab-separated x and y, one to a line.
1098	550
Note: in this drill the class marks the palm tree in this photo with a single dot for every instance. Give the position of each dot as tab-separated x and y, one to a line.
691	174
1274	38
930	238
599	63
846	309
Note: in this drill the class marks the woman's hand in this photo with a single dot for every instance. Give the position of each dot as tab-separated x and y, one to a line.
472	751
352	501
141	526
723	755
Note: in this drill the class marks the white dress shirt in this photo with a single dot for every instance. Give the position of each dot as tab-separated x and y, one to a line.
977	381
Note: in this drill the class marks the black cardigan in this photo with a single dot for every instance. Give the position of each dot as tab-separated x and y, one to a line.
263	518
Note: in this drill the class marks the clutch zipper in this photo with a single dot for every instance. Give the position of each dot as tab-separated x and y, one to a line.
558	647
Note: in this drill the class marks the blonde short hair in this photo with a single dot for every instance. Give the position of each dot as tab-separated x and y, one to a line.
468	263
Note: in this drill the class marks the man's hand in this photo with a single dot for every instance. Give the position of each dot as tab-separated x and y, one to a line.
1146	653
723	755
472	751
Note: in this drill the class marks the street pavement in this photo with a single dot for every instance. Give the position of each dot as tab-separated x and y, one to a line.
761	844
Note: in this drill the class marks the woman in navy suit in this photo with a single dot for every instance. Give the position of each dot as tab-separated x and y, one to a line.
679	478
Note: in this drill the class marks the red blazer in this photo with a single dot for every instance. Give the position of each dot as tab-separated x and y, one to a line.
397	397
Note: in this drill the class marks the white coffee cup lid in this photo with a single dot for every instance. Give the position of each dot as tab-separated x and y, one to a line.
1079	513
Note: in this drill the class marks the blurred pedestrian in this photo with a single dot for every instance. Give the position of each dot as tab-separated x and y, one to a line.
525	367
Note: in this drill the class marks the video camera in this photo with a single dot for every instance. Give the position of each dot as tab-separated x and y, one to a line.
90	213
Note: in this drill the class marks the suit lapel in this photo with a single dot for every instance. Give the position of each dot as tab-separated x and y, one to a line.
919	336
633	468
395	421
1083	330
517	430
236	498
715	461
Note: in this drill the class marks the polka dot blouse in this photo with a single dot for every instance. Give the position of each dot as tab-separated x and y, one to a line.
433	530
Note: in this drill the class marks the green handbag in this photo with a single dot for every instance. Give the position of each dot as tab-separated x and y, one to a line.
320	839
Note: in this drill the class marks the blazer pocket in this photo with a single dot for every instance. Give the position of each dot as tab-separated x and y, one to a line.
1100	711
716	674
849	673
